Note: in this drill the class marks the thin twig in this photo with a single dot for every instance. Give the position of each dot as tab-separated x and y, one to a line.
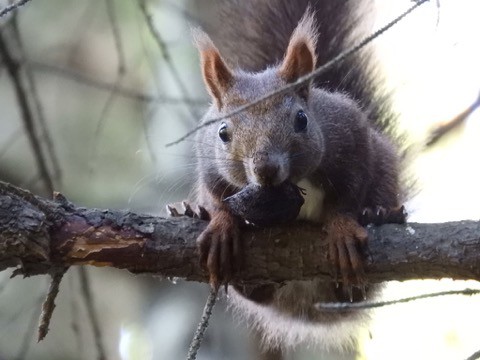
14	68
376	304
148	142
202	326
3	284
102	118
186	15
438	13
74	324
49	303
165	53
10	141
45	133
441	130
304	79
28	336
12	7
125	92
474	356
112	17
87	296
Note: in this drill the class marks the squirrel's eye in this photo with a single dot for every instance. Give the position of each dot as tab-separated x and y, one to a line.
300	121
223	133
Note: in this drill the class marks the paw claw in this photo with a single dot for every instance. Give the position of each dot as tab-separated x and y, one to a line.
172	211
350	292
187	210
203	213
335	276
379	215
364	292
214	282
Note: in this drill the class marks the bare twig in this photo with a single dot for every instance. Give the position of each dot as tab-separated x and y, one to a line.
29	332
14	69
122	91
165	53
202	326
304	79
49	303
74	324
474	356
3	284
112	17
102	119
148	142
438	13
376	304
12	7
441	130
10	141
45	133
186	15
87	296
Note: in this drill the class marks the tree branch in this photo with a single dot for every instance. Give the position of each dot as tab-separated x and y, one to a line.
37	234
12	7
15	71
122	91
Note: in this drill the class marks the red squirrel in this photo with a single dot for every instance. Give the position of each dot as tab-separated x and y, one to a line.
327	141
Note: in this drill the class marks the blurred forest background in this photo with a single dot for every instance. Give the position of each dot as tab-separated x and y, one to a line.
111	82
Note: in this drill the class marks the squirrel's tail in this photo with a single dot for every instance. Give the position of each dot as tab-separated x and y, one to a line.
254	34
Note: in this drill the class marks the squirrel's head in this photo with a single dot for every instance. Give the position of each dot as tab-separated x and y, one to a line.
274	140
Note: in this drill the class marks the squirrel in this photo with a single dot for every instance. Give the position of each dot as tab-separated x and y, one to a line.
330	138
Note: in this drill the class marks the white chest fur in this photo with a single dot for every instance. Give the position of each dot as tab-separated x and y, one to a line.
313	206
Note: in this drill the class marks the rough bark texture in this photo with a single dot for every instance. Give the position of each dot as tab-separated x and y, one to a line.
37	235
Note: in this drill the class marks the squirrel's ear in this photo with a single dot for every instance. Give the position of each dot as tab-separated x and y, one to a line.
300	58
216	74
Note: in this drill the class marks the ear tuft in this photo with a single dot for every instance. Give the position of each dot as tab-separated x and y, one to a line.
300	58
216	74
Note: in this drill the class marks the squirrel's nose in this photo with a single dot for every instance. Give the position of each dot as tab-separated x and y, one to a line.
267	168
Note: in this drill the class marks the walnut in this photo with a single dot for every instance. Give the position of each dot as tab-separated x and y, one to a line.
267	206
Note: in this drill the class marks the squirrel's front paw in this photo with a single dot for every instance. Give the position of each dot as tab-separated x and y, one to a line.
186	210
219	247
346	241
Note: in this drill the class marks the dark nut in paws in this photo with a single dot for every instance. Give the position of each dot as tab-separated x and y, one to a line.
267	206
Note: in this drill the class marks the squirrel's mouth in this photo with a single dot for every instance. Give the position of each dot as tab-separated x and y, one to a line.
268	169
267	205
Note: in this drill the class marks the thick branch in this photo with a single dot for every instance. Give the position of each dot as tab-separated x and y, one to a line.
36	234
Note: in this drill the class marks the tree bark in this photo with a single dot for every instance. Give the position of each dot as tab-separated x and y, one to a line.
38	235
